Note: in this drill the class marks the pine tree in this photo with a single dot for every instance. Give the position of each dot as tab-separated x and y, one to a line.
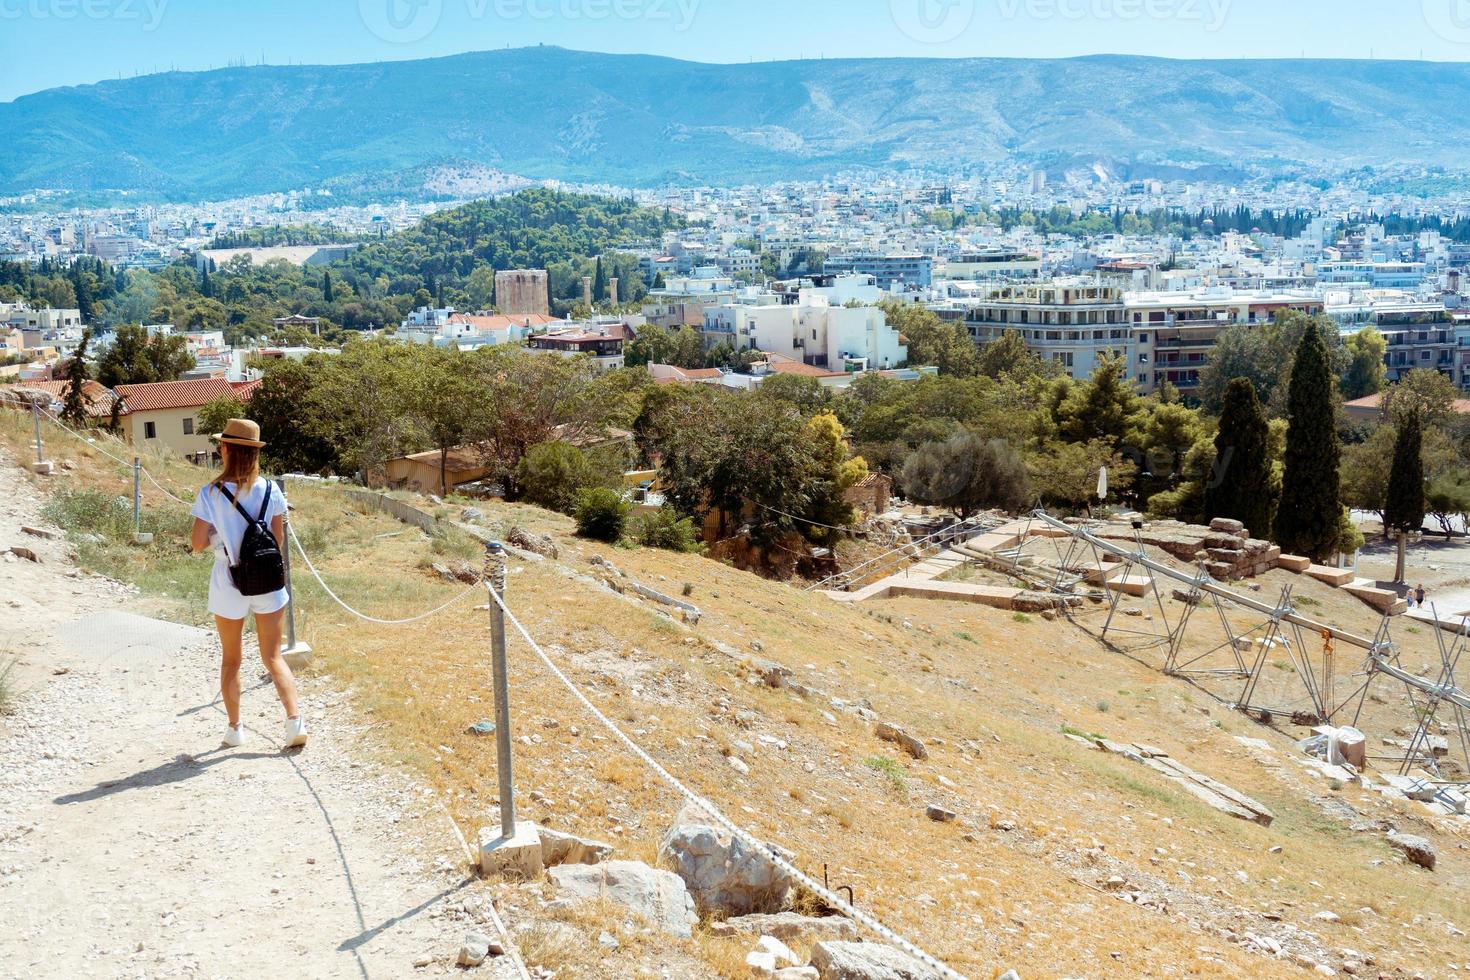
1240	485
1403	509
1308	516
74	401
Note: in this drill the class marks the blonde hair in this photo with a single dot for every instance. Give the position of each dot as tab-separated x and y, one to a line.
241	465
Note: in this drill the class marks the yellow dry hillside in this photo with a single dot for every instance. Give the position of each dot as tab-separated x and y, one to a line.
1020	879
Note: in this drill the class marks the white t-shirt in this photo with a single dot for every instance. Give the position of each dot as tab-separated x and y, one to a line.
215	509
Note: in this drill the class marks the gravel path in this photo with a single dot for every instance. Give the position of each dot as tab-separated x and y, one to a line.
133	845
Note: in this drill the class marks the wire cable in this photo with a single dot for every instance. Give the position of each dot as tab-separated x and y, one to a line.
362	615
832	898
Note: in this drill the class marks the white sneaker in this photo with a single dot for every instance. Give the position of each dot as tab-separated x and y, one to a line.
295	732
234	736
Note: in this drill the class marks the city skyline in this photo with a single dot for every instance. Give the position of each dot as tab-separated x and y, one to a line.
107	39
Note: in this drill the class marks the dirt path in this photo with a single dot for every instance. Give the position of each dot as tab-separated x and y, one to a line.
133	845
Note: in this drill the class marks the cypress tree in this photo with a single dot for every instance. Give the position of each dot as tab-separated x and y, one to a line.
1308	518
1240	485
74	401
327	295
1403	510
599	282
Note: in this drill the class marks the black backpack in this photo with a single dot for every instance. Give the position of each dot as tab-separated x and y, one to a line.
259	567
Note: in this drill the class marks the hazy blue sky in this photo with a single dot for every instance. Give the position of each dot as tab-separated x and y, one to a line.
45	43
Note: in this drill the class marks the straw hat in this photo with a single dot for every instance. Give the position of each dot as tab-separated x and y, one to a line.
240	432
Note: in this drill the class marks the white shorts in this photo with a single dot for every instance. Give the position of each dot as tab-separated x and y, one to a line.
226	601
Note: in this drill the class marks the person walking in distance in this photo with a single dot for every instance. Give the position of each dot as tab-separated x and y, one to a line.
240	516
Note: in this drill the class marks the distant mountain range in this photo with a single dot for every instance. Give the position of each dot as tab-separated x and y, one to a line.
547	112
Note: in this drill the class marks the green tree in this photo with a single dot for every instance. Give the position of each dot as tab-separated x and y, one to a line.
1240	487
137	358
1009	355
285	409
553	475
966	473
835	471
664	528
1307	517
215	413
932	341
1403	510
74	400
601	514
1425	394
1066	473
1102	408
443	398
1366	371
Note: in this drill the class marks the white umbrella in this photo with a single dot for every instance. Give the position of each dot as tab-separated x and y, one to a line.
1102	483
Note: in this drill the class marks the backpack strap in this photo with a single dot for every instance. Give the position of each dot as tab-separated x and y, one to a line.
243	512
264	503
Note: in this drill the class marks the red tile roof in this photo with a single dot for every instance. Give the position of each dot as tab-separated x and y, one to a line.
500	321
98	399
165	395
781	364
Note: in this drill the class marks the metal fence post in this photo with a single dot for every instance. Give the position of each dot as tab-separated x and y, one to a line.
137	495
495	576
297	654
36	417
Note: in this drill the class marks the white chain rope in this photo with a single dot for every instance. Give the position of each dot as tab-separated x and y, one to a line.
291	529
826	894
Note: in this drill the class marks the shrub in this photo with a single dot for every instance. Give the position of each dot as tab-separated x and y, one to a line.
553	473
602	514
665	529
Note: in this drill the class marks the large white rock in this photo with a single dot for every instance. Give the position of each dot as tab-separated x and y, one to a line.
561	848
724	875
867	961
658	896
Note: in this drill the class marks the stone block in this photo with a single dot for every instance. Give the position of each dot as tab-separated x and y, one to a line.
517	856
143	538
43	468
1227	526
1294	563
1336	577
298	657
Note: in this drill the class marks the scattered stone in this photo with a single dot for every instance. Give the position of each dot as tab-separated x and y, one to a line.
910	744
939	814
738	765
541	544
482	727
1418	850
866	961
442	571
1326	916
474	950
723	873
422	962
798	973
770	954
25	553
40	532
607	940
659	896
464	572
1009	975
560	848
473	515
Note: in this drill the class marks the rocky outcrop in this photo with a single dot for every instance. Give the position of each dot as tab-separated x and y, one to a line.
1418	850
790	927
867	961
658	896
725	875
540	544
892	733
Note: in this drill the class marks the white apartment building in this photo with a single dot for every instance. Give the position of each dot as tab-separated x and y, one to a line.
1072	322
813	332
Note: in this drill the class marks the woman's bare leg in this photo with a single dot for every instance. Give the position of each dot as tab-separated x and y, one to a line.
268	632
230	632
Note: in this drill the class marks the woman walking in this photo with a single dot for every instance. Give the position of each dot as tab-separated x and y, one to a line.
232	515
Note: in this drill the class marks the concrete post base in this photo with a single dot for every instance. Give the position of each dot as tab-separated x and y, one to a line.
298	656
143	537
518	856
43	468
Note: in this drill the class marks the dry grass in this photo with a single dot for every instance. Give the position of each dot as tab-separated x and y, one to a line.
990	694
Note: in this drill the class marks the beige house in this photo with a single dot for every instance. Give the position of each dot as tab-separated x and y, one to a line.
165	415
